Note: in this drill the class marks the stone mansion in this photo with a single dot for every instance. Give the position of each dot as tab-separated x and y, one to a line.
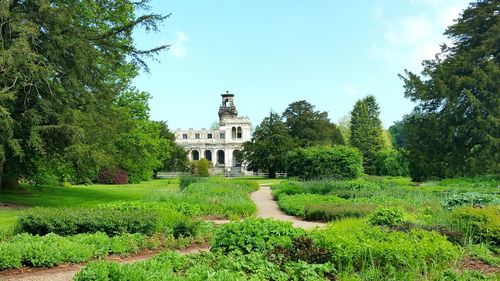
220	146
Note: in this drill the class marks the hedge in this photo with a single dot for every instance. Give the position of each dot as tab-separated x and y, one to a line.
71	221
319	162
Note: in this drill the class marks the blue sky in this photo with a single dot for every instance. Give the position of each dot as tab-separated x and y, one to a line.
270	53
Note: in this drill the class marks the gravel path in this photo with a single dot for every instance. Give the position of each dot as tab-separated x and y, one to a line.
267	207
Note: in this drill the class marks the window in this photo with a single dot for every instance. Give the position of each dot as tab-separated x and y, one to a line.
184	136
240	133
197	136
209	136
222	135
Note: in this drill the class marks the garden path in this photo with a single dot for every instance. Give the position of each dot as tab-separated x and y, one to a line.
268	208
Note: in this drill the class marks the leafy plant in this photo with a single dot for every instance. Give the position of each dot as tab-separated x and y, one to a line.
387	216
473	199
254	235
70	221
295	205
479	224
336	211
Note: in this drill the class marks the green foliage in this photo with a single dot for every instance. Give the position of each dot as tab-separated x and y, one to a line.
344	189
483	253
366	131
387	217
65	105
185	181
213	196
338	162
337	211
302	249
359	247
473	199
479	224
200	167
391	163
70	221
254	235
269	145
52	249
295	205
207	266
309	127
454	129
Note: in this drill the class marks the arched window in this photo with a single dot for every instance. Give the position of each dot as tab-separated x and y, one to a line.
208	155
220	157
195	155
239	133
237	158
233	133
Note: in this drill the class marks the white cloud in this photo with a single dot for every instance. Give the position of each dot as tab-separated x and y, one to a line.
178	48
411	39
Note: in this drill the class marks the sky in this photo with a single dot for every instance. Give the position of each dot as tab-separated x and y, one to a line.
270	53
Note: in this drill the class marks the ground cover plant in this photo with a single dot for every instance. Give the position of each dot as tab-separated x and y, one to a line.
264	249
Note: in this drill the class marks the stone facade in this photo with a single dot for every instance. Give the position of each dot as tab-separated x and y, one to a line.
220	146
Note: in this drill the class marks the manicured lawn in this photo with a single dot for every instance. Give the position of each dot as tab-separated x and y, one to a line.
8	218
84	195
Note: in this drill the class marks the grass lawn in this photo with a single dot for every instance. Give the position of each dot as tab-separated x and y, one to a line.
8	218
84	195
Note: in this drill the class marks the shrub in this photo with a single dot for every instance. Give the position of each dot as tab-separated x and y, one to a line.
479	224
112	176
288	187
473	199
200	167
338	162
302	249
70	221
295	204
49	250
185	228
390	162
254	235
336	211
357	247
186	181
387	216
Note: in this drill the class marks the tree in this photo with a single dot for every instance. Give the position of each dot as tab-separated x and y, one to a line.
344	125
309	127
397	136
62	62
455	130
366	131
177	160
269	146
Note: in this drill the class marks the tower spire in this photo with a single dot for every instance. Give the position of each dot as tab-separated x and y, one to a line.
227	109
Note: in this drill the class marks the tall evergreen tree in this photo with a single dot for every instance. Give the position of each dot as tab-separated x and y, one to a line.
62	62
455	127
269	146
366	131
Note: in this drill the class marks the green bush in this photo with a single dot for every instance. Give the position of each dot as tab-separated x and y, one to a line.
357	247
288	187
71	221
336	211
473	199
479	224
52	249
338	162
390	162
254	235
392	216
295	204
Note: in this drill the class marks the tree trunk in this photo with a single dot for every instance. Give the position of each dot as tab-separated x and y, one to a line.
1	173
9	183
272	173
